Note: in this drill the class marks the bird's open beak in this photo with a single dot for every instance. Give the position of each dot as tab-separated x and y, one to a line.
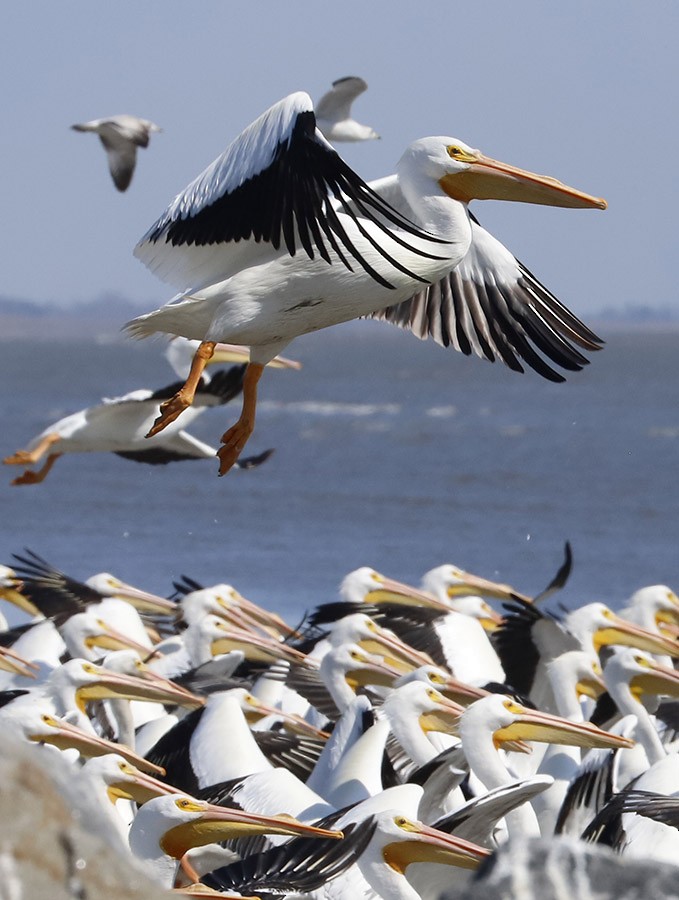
656	680
489	179
64	736
620	631
533	725
431	845
113	685
219	823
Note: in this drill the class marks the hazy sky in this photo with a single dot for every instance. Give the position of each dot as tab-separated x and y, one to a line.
584	91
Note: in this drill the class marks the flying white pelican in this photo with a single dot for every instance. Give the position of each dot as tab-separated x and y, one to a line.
333	112
119	425
120	136
279	237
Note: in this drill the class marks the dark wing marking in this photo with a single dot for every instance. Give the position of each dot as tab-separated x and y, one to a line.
300	865
7	696
588	793
309	684
659	807
561	577
275	184
477	819
51	591
297	754
172	752
252	462
212	676
221	388
667	716
605	709
330	612
606	827
513	643
156	456
493	306
8	638
185	585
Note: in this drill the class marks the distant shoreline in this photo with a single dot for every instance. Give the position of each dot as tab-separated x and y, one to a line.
102	320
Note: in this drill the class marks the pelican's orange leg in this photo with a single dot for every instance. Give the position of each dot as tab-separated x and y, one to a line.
237	436
27	457
30	477
175	406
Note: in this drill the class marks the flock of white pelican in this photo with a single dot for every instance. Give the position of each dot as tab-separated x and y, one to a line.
398	731
385	746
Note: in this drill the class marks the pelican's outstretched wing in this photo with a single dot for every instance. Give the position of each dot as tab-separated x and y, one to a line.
493	306
273	186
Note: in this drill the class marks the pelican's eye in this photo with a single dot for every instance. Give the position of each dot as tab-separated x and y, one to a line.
436	678
454	152
400	821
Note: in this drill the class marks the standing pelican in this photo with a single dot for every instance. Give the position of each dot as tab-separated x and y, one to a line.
232	243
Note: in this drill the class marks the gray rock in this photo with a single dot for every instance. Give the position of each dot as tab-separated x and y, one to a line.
54	841
567	869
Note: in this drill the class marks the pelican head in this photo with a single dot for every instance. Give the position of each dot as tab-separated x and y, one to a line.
509	720
182	822
465	174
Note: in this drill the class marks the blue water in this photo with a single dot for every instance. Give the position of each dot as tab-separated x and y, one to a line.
389	452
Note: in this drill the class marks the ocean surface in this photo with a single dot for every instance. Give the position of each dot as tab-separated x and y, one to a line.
390	452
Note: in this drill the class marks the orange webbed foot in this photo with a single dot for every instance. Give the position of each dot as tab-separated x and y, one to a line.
20	458
169	411
233	440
